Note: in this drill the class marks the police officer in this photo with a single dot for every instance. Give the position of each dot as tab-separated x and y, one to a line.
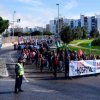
19	71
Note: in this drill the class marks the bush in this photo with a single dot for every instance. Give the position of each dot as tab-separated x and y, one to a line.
96	42
6	35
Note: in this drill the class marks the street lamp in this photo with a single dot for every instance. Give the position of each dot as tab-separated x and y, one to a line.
13	21
58	18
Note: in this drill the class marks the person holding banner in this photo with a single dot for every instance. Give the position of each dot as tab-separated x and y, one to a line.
67	60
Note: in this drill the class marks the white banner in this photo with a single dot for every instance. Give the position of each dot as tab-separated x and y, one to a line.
84	67
97	63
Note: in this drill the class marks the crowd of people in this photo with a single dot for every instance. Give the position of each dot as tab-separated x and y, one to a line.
53	60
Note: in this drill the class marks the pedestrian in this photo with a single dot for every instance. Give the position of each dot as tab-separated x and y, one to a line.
50	55
19	71
55	64
42	60
67	60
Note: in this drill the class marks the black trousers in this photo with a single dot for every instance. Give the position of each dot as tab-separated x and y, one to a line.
18	83
55	70
67	70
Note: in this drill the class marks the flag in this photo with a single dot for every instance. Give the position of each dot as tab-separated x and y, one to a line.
57	44
90	45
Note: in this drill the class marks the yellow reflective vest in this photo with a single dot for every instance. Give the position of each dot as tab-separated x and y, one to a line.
21	69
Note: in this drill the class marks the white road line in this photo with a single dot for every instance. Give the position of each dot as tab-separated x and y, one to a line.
25	78
11	58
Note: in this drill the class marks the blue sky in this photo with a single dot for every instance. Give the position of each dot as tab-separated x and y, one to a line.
39	12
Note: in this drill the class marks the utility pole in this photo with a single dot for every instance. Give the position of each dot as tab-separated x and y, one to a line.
58	18
13	21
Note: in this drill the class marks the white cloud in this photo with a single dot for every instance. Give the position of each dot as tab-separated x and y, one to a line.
32	2
41	18
38	20
71	4
29	19
5	13
40	15
37	16
92	13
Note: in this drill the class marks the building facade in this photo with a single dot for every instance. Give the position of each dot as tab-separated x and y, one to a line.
53	24
98	22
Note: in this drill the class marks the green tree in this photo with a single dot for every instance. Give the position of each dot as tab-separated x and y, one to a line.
79	32
66	34
75	35
47	33
6	33
94	33
85	32
4	24
27	34
36	33
18	31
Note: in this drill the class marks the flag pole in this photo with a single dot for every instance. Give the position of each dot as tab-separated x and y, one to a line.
90	48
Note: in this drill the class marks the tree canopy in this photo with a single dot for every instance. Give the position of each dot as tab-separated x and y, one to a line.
4	24
36	33
66	34
94	33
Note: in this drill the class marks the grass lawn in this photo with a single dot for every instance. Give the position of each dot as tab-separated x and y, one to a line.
81	41
86	51
76	41
85	43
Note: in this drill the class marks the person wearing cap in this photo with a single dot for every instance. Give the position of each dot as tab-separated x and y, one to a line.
19	71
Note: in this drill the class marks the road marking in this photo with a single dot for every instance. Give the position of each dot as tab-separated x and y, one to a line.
43	90
11	58
25	78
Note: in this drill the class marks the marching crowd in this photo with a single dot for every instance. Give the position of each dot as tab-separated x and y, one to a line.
53	60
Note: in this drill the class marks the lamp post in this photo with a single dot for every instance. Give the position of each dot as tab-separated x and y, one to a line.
13	21
58	18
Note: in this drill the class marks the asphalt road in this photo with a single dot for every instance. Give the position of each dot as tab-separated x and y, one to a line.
42	86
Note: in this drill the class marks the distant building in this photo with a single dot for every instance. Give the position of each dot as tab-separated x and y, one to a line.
84	21
67	22
53	24
26	30
48	28
98	22
61	24
37	28
91	23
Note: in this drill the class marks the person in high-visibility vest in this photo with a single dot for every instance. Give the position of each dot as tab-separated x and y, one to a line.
19	71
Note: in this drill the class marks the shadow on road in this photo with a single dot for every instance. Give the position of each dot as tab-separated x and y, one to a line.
6	92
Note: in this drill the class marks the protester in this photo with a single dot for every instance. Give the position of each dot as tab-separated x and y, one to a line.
67	61
39	53
55	64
